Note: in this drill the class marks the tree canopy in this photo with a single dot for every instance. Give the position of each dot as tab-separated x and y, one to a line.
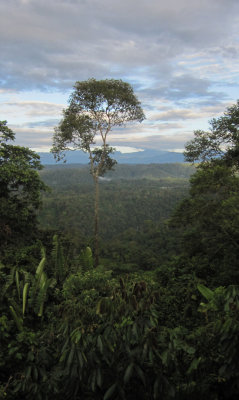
95	107
221	142
20	187
210	215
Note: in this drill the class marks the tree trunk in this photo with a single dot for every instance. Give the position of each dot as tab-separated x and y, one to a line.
96	232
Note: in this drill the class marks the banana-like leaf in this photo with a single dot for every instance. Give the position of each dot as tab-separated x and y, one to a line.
70	357
43	279
140	374
28	371
39	277
194	365
156	388
17	283
17	319
100	344
40	314
104	305
41	265
206	292
128	372
35	373
110	391
99	377
24	297
42	294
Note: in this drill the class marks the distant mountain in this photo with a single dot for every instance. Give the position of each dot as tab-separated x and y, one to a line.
148	157
141	157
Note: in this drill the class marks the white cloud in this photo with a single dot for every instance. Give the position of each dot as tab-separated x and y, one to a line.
181	56
128	149
36	108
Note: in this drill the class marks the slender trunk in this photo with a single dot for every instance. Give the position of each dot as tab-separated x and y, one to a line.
96	233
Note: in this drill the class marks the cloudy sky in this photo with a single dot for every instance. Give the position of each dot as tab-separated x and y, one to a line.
180	56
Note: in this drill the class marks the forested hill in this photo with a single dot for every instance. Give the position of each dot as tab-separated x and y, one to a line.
73	174
129	196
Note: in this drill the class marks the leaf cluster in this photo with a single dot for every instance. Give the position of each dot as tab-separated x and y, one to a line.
220	143
20	188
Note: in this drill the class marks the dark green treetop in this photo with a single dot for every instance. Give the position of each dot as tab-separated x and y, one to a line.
20	187
95	107
210	216
221	142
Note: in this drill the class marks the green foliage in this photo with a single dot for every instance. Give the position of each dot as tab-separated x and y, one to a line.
206	292
67	176
221	315
220	142
32	362
130	336
30	292
124	204
86	259
5	132
58	259
109	353
96	106
20	188
158	318
24	358
210	221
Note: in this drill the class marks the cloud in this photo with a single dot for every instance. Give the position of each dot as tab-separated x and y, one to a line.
34	108
158	142
181	57
35	138
52	44
49	123
185	114
174	115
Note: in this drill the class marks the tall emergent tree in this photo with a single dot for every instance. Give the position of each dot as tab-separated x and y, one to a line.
20	187
95	107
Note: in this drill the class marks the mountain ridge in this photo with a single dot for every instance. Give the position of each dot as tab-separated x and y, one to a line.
147	156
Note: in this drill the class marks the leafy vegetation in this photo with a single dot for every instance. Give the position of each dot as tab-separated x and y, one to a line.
157	319
20	188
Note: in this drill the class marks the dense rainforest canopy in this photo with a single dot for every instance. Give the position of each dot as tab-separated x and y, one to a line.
20	188
158	318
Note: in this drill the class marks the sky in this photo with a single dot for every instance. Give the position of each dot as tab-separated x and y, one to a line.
180	56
